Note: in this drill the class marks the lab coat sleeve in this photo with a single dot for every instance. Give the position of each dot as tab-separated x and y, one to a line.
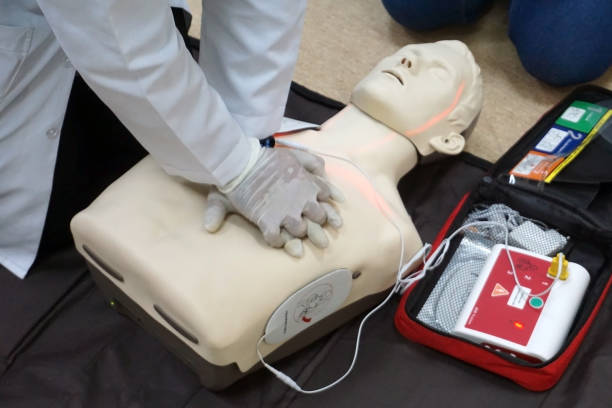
130	53
248	50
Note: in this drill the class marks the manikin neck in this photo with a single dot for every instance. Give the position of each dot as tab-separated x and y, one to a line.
369	143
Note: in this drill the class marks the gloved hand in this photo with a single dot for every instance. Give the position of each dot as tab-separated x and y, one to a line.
285	195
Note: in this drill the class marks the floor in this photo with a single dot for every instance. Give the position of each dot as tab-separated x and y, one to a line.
343	40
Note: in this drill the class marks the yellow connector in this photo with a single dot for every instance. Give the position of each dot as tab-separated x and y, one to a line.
558	267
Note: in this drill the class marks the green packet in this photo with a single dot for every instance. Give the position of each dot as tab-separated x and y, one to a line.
581	116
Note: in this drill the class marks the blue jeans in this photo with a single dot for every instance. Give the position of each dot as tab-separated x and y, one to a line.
560	42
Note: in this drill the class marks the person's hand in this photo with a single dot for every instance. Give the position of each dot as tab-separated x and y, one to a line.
286	195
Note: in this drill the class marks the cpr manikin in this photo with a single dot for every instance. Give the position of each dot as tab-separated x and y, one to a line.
222	288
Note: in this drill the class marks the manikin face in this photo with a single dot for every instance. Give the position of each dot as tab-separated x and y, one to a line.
414	90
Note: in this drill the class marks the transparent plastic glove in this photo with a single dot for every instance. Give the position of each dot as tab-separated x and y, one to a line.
283	198
316	165
311	162
219	206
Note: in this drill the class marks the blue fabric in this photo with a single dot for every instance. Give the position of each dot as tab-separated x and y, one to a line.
560	42
430	14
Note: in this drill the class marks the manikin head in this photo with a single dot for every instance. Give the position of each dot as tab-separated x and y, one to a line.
430	93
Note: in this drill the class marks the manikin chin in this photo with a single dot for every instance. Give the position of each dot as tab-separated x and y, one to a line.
221	288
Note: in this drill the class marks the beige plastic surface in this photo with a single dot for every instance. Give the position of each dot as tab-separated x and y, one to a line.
223	287
439	95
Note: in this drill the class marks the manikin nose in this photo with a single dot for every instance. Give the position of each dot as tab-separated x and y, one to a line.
406	62
409	64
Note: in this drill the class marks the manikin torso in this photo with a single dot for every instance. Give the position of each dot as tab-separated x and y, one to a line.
223	287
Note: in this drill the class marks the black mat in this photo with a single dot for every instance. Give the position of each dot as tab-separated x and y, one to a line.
62	345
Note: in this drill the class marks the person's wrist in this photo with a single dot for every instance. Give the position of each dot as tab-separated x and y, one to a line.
256	151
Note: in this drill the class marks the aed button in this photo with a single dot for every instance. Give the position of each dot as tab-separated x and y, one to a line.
536	302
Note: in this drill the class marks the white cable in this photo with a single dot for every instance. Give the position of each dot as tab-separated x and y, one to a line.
513	218
291	383
402	282
438	255
282	376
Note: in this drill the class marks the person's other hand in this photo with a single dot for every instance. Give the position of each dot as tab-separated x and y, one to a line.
286	195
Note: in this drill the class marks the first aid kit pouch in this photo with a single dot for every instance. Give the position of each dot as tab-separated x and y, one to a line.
517	297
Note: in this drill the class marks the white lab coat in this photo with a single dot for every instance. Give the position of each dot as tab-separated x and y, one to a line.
194	121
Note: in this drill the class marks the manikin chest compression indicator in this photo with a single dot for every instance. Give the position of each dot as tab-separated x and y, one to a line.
424	256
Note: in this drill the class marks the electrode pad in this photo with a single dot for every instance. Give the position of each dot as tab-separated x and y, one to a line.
312	303
533	238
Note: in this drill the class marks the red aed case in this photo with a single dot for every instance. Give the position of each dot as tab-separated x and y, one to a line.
498	329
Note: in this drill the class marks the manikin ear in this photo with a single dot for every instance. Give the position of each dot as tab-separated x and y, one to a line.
451	144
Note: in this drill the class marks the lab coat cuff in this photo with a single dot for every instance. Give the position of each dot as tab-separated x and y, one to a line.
236	161
256	150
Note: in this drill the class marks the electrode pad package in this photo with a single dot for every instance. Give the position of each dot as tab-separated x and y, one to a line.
571	134
443	306
522	232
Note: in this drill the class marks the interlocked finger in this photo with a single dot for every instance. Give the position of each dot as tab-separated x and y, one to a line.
310	162
296	227
317	235
315	212
333	217
293	246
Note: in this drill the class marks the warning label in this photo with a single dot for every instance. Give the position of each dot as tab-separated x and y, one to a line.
499	290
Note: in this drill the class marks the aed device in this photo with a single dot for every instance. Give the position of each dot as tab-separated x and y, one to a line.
505	317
